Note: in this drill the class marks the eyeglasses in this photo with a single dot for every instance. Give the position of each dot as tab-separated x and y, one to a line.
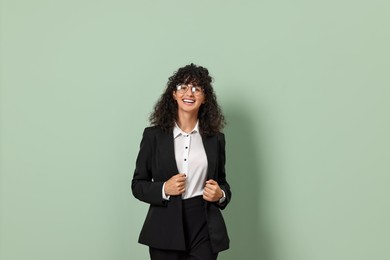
183	88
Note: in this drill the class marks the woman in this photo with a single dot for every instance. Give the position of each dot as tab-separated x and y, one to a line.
180	171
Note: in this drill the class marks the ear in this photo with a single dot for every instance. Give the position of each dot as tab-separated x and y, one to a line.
174	95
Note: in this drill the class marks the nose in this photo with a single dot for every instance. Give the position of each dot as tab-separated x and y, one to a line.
189	90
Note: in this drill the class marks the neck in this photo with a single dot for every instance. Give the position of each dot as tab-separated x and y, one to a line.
187	121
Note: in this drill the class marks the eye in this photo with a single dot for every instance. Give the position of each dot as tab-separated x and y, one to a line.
197	90
181	87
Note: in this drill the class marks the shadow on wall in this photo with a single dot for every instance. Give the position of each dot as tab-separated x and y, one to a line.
246	226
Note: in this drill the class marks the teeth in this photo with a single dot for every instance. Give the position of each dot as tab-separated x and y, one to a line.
188	100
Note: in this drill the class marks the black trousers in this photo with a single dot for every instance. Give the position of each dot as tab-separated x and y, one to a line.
196	234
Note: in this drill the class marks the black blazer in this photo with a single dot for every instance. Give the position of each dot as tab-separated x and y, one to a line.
156	163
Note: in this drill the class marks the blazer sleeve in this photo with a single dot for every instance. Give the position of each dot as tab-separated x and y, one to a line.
222	182
143	186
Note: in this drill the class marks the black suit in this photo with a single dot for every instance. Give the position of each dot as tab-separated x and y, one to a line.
163	227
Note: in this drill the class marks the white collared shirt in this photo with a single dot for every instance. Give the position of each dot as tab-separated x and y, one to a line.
191	160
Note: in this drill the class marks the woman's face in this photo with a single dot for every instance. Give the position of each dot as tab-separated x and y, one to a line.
189	98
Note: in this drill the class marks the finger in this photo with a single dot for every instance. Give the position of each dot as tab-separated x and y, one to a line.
208	193
207	198
208	190
211	187
178	176
181	179
211	181
183	182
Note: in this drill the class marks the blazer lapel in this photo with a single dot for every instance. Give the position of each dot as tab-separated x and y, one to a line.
167	154
211	148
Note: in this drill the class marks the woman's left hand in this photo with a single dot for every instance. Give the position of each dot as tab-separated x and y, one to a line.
212	192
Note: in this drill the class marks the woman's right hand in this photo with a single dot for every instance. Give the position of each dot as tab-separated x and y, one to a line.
176	185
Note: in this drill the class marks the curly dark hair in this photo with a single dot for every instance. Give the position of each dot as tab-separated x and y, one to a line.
211	119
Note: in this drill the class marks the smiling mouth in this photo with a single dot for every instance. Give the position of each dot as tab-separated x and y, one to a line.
188	101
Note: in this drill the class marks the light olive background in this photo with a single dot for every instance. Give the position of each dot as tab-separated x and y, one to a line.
304	86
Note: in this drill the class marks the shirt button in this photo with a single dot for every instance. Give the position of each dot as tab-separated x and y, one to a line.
186	147
185	159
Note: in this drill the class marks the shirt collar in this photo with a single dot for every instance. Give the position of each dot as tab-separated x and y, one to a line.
177	131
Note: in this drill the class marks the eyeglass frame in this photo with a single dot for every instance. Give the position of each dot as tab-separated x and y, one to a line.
179	89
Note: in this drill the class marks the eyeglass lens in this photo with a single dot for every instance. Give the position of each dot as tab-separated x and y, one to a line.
184	88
